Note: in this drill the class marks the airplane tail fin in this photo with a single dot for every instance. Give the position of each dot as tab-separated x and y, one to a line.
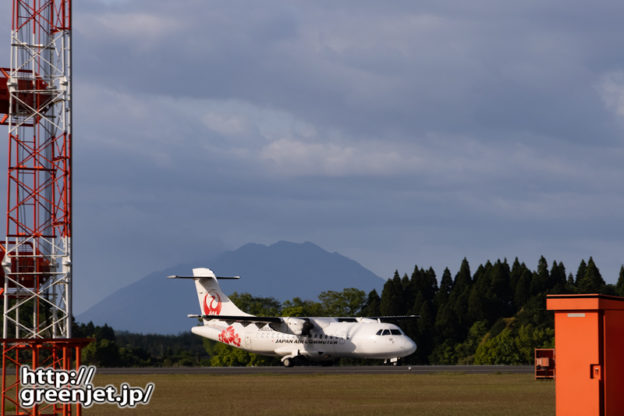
212	300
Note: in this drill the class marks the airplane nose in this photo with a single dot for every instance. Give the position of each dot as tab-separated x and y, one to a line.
409	346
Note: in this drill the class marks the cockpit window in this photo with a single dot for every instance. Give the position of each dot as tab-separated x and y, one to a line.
389	332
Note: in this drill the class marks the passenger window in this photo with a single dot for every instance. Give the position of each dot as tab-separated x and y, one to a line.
395	332
386	332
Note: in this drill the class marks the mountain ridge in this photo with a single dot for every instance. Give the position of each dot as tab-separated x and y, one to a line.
283	270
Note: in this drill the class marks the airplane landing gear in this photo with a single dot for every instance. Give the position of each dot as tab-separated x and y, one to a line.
392	361
294	360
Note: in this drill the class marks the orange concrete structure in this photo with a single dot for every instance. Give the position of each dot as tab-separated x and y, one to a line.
589	346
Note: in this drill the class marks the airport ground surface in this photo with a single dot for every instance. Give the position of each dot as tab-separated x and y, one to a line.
375	369
345	391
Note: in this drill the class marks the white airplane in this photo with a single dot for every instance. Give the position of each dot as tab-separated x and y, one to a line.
295	339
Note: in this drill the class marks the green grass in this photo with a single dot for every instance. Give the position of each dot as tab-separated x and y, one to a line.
344	395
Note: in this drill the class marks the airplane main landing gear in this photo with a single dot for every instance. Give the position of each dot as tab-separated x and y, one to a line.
294	360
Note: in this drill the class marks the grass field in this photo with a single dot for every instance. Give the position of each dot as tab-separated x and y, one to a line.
361	395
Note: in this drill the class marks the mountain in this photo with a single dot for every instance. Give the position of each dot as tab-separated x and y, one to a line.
284	270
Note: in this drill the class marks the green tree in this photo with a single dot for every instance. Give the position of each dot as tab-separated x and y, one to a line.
591	281
570	284
501	349
540	280
443	353
516	271
424	332
226	356
371	308
392	297
484	303
619	287
522	291
447	327
458	300
465	351
463	281
530	337
299	307
256	305
102	353
513	346
446	285
349	302
580	272
423	282
558	283
500	290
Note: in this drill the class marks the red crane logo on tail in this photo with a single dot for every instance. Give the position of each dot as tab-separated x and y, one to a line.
229	336
212	304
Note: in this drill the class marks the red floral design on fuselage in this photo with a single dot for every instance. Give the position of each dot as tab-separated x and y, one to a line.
229	336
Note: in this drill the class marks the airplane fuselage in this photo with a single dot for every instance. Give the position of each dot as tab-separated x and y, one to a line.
294	338
328	338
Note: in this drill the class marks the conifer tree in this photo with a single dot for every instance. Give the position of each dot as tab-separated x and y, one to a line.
580	272
500	292
619	287
516	272
539	283
571	285
557	282
424	332
447	326
484	303
481	271
462	278
446	285
392	302
522	292
371	308
405	284
591	281
477	303
458	300
431	284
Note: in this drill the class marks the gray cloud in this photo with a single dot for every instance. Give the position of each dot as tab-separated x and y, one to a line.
395	133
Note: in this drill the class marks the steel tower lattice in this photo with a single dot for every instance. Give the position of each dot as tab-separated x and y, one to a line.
37	252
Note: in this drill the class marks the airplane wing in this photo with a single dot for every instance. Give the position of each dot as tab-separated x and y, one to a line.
394	318
276	320
387	318
245	320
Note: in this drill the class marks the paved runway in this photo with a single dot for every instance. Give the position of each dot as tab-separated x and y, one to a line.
381	369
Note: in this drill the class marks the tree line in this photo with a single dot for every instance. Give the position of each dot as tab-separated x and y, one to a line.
494	315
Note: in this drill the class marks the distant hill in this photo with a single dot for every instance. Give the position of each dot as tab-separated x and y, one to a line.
155	304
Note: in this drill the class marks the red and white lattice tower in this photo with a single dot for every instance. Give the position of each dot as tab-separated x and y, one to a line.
37	252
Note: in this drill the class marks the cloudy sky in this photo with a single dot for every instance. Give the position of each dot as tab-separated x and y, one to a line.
396	133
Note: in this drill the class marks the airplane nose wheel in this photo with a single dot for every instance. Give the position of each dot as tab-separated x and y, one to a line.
393	361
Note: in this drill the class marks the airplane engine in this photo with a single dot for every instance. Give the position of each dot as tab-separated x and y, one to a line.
298	326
